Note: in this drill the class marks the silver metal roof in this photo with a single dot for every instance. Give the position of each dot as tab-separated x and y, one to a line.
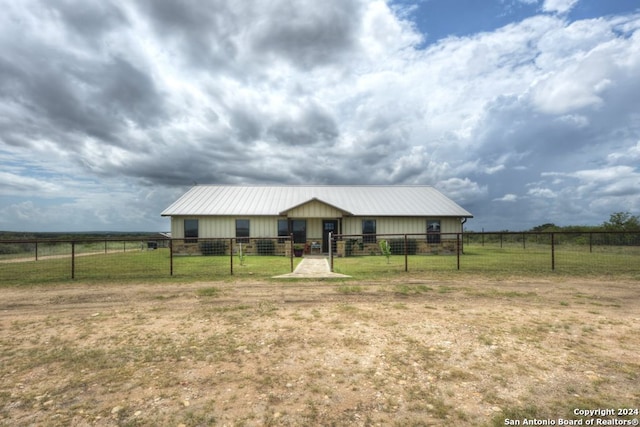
358	200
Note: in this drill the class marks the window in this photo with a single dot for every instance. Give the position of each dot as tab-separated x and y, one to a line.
191	231
242	230
433	231
368	228
299	230
283	229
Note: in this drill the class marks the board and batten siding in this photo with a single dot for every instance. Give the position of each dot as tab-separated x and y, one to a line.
314	209
267	226
401	225
225	226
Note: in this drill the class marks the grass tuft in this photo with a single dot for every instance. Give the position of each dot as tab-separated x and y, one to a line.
208	292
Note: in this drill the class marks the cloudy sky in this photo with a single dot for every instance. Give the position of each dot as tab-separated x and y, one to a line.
522	111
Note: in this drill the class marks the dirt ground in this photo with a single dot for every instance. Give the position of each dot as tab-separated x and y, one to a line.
406	352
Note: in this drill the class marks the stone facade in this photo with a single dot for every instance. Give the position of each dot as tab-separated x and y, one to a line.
251	248
356	247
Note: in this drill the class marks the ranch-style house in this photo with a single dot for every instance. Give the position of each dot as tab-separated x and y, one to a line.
311	212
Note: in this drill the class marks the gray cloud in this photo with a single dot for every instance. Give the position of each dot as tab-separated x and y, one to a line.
309	126
90	21
116	102
201	32
307	34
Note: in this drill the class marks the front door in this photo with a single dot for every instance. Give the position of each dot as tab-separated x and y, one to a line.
328	226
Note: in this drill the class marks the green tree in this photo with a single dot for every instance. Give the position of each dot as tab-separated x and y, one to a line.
622	221
545	227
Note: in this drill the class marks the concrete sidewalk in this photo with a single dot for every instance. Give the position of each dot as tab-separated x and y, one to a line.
312	268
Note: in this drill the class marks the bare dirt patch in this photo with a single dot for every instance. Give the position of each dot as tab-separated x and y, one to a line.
405	352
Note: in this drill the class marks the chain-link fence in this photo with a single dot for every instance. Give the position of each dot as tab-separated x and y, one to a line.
35	261
527	252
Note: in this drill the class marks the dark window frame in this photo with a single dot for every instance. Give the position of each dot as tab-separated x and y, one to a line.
369	231
283	231
433	233
191	232
243	232
299	235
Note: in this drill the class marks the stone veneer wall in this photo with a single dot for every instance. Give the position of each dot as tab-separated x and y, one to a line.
181	248
445	247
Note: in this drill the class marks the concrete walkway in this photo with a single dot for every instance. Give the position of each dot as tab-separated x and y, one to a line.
312	268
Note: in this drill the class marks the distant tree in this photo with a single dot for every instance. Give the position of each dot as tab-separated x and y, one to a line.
622	221
545	227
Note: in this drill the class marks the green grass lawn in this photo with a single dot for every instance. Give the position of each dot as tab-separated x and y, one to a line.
137	264
509	260
47	249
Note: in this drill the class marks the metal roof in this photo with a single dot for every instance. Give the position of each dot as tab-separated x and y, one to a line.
358	200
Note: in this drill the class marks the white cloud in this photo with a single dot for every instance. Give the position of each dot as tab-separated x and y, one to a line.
558	6
12	184
507	198
542	192
631	155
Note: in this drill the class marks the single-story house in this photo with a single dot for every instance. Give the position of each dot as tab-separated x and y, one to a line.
311	212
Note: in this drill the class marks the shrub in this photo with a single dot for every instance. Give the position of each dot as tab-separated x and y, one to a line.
213	247
385	248
352	245
265	247
7	248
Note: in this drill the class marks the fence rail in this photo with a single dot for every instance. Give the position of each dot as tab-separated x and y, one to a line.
35	261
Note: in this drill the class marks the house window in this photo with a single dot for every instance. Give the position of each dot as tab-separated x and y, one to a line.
242	230
283	230
299	230
191	231
433	231
369	231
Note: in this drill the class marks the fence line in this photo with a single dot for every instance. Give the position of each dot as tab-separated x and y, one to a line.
491	251
51	259
28	261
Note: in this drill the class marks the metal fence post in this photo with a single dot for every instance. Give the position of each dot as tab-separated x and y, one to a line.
170	257
73	260
36	250
553	252
231	255
291	250
406	253
331	251
458	248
